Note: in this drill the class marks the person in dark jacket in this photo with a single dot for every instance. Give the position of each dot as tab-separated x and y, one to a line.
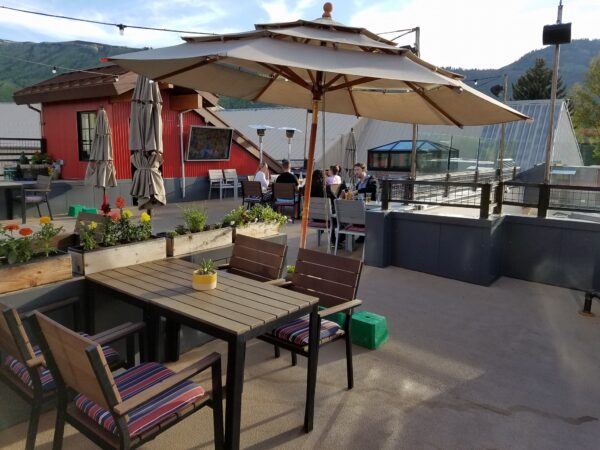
366	184
287	176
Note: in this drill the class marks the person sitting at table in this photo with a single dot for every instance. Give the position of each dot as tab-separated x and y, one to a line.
287	176
317	187
333	178
367	184
262	176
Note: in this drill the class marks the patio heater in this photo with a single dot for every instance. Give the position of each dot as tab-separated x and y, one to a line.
289	133
260	132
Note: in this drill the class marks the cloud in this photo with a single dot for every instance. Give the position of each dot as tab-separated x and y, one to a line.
476	33
286	11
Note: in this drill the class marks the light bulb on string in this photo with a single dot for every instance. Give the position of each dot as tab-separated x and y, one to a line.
121	29
54	70
475	83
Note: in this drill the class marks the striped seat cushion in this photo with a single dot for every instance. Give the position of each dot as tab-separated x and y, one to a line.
297	331
252	198
20	370
285	201
356	228
136	380
315	224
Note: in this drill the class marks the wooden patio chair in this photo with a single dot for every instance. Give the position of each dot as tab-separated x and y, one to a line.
36	194
23	369
319	217
351	220
252	193
215	180
128	410
285	196
257	259
334	280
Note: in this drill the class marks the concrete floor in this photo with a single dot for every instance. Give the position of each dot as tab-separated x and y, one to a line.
511	366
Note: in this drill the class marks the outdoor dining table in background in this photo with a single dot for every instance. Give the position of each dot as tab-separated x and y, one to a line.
238	310
8	187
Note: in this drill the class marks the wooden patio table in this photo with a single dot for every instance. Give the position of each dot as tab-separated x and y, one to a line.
238	310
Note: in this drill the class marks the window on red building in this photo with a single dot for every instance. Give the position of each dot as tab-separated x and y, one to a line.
86	129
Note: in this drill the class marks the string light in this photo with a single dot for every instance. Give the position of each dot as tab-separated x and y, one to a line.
120	26
55	68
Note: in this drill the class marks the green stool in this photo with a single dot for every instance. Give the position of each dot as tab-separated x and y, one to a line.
89	210
368	329
339	318
74	210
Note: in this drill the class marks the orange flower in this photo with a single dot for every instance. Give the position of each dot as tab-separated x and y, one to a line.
25	231
120	202
11	227
114	215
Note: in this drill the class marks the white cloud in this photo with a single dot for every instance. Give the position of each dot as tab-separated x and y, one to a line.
478	33
287	11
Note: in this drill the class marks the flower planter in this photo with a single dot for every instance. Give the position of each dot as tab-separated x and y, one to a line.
105	258
196	242
259	229
204	282
36	272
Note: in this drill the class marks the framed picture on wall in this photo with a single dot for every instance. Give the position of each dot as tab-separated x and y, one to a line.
209	143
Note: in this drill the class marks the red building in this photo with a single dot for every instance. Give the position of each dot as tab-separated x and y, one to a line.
69	105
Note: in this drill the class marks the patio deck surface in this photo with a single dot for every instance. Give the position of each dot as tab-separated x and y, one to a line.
511	366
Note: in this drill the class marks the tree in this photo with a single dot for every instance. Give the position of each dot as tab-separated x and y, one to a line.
536	83
586	118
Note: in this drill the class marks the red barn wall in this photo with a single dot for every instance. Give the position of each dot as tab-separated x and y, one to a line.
60	131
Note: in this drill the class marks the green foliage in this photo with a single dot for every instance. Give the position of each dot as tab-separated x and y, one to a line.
41	158
181	230
195	219
23	159
586	118
110	235
87	235
15	249
43	237
236	217
258	213
536	83
291	269
206	267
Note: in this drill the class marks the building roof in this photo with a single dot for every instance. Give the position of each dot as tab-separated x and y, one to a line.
19	121
107	81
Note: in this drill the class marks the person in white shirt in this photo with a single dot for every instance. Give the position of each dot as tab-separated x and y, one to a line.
333	178
262	176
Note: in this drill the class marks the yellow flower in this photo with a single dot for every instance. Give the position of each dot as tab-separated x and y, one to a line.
44	220
145	217
126	214
92	225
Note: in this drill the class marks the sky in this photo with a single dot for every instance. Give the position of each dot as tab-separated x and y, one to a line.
459	33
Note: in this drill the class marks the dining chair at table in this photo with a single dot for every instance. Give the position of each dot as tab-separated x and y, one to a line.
286	196
127	410
319	217
252	193
23	367
334	280
230	181
256	258
350	221
215	181
35	194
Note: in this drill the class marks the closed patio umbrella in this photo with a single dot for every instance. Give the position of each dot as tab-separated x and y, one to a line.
145	144
100	171
322	64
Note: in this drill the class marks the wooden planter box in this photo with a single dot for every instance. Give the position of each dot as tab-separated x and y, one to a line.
106	258
36	272
196	242
259	230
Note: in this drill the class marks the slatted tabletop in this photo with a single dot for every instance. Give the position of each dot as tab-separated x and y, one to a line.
236	306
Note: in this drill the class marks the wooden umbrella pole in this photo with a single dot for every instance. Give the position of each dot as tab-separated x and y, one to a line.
309	170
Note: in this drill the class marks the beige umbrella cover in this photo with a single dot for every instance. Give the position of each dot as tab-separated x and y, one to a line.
145	143
100	171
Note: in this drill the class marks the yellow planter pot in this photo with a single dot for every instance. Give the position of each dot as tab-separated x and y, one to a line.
204	282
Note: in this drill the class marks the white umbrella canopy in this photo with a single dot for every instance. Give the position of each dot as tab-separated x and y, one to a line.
145	143
324	65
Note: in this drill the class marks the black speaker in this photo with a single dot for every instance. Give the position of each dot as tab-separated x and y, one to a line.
557	34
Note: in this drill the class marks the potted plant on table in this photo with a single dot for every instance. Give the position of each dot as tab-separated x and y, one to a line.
194	235
29	258
205	277
258	221
115	240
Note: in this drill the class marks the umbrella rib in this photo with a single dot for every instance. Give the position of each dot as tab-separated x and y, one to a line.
349	84
433	104
351	94
287	74
264	89
334	79
311	76
190	67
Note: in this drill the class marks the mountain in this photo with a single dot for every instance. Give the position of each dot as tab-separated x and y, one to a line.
16	74
574	61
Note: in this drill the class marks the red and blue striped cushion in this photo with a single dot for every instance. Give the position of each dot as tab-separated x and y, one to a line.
297	331
20	370
136	380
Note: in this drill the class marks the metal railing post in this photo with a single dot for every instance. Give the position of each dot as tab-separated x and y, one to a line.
543	200
499	197
385	195
484	205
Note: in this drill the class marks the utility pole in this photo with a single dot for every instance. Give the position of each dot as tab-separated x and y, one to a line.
553	102
503	133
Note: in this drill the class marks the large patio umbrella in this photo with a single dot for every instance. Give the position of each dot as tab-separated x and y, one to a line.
145	144
100	171
321	65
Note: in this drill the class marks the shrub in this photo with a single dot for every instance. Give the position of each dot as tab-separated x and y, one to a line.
195	219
